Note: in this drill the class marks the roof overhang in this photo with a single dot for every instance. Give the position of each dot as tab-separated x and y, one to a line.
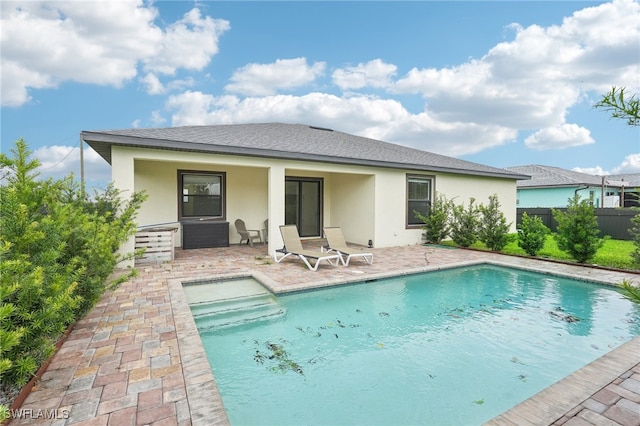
102	144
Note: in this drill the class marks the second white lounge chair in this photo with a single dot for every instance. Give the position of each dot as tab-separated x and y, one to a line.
336	242
293	246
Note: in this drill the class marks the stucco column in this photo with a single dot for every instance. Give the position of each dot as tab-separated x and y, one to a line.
276	207
122	175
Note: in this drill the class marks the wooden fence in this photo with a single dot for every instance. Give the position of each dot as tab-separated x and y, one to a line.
157	243
611	221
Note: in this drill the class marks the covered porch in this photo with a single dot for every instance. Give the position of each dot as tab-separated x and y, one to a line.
217	189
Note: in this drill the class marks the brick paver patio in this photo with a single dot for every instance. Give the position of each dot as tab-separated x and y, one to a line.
135	359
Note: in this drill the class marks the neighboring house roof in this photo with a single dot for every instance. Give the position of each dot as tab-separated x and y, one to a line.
632	179
549	176
287	141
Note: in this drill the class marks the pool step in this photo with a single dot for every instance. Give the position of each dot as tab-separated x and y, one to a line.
236	311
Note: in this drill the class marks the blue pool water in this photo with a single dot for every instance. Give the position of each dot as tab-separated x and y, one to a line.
453	347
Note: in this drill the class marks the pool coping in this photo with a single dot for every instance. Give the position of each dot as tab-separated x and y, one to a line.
544	408
203	397
552	403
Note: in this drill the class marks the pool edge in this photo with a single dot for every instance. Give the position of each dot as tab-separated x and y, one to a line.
204	399
554	402
544	408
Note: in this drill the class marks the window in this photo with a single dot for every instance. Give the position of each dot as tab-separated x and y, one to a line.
201	194
418	197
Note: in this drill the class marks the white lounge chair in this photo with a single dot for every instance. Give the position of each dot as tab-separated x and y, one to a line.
336	242
293	246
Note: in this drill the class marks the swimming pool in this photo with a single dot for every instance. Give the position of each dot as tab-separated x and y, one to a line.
448	347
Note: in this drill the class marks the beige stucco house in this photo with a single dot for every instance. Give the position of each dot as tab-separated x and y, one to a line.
290	173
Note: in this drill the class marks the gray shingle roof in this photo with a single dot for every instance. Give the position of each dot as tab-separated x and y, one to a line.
545	176
288	141
633	179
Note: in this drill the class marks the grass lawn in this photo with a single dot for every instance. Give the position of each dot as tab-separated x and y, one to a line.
613	254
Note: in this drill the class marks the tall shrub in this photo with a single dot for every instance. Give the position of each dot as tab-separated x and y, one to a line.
56	254
532	234
101	226
37	285
494	229
635	233
438	220
465	224
577	231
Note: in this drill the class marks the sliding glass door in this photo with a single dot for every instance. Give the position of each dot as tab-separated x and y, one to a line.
303	205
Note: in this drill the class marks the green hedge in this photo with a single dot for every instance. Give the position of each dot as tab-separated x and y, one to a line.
58	249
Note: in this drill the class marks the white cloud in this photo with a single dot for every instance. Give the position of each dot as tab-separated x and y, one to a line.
384	119
152	84
532	81
375	73
560	137
97	42
157	119
58	161
55	159
14	95
631	164
454	139
181	84
596	170
268	79
352	114
528	83
188	43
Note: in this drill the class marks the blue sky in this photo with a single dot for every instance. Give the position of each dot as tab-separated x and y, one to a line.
504	83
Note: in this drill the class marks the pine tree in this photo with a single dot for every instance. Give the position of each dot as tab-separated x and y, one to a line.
494	229
635	233
438	220
465	225
577	232
532	234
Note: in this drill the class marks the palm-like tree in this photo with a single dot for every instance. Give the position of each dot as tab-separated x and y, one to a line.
621	106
